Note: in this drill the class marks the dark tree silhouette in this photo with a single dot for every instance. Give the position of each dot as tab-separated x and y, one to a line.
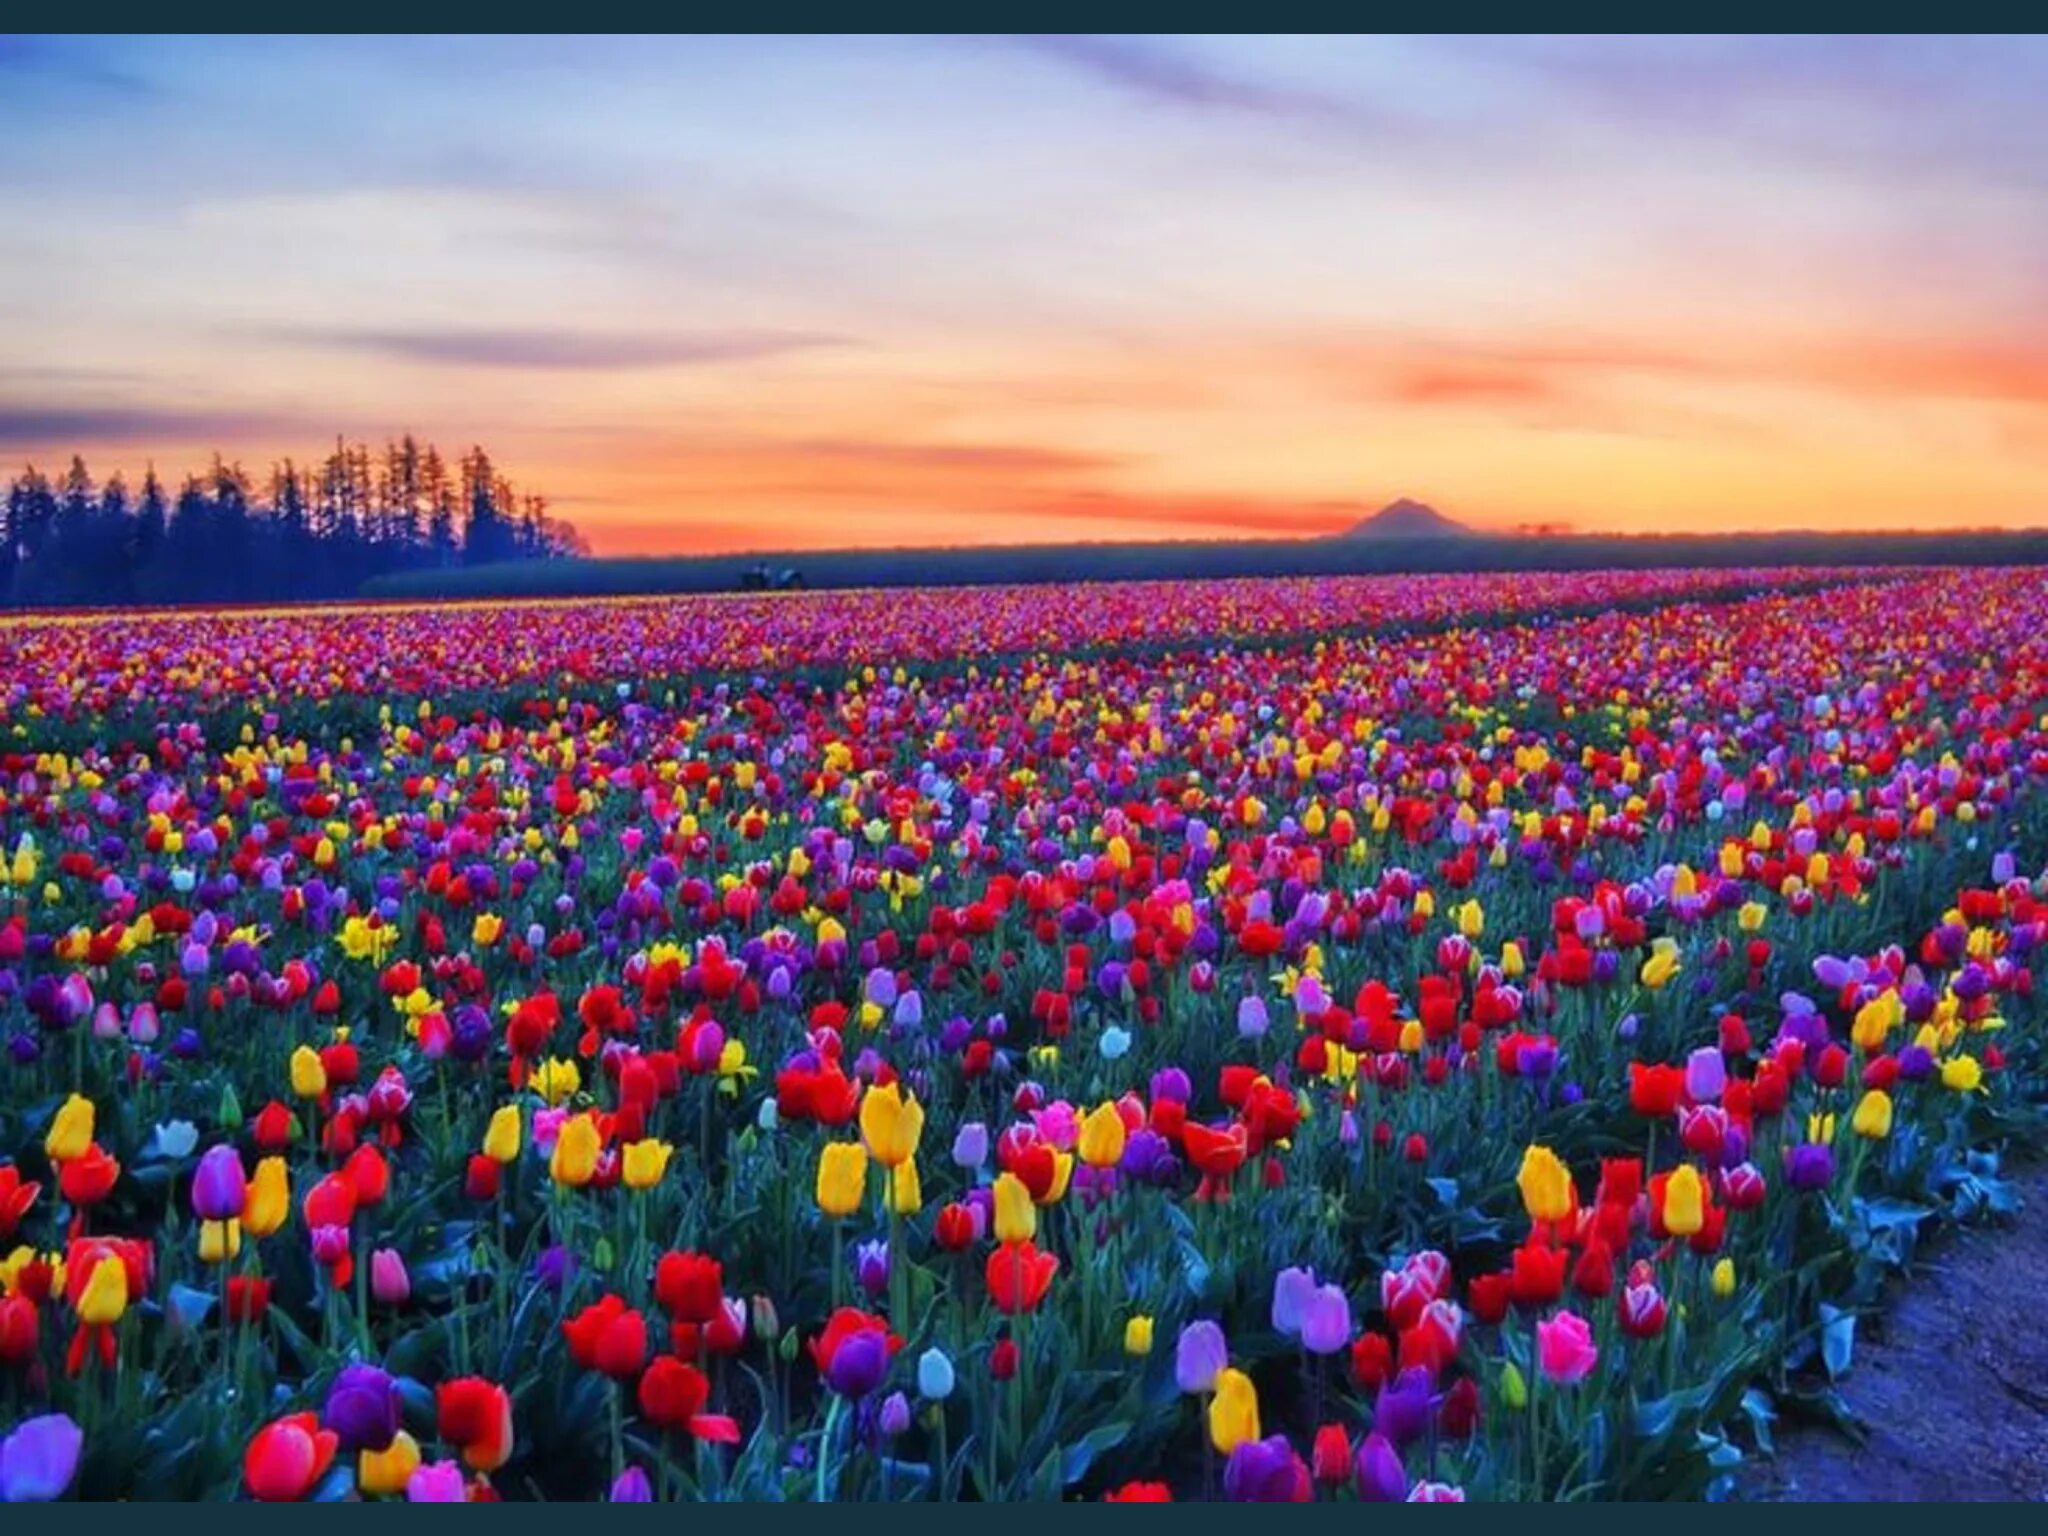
317	532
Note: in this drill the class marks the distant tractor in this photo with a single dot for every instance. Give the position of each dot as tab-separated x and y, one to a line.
763	578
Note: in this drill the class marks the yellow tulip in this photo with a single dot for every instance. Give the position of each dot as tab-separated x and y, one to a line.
106	1292
1102	1137
1685	1201
1750	915
1233	1411
270	1198
71	1132
1016	1217
645	1162
906	1191
891	1121
20	1259
502	1136
576	1149
309	1076
387	1471
1138	1335
1662	965
1873	1116
219	1241
1724	1279
1062	1176
842	1177
556	1080
1874	1022
1471	920
1512	965
1965	1074
1546	1185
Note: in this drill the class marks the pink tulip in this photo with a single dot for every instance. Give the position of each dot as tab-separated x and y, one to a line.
389	1282
437	1482
1565	1349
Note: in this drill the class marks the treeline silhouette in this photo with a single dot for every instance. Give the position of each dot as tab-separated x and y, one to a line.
312	531
1191	560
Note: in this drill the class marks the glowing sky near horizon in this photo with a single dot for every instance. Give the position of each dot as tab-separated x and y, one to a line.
716	294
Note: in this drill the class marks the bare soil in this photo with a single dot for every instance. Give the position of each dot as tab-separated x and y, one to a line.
1950	1381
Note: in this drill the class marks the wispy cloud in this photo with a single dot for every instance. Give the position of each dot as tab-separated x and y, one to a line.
989	458
1439	370
570	350
55	61
67	428
1163	73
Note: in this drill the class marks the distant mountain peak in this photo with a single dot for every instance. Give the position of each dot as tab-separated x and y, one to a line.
1405	519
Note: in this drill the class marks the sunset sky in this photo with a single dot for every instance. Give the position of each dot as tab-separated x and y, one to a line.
734	293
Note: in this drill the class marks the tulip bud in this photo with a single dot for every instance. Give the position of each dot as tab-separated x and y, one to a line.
935	1375
389	1282
1514	1391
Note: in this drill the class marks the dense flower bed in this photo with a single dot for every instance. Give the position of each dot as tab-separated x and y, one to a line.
1270	1040
62	667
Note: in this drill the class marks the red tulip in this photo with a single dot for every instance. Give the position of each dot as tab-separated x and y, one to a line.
690	1286
1331	1457
16	1196
89	1179
1537	1278
20	1329
1019	1275
476	1415
607	1336
287	1457
673	1392
248	1298
1140	1493
367	1171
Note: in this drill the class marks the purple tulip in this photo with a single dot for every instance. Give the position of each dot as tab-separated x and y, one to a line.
1706	1074
895	1416
1405	1406
1172	1083
38	1461
1252	1019
632	1487
555	1267
219	1187
1198	1355
1292	1289
871	1267
363	1408
1381	1477
1809	1167
858	1364
1325	1320
970	1145
1266	1472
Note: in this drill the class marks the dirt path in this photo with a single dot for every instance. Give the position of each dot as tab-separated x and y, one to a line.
1952	1380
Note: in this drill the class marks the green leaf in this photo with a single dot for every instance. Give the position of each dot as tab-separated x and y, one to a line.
190	1308
1837	1340
1080	1456
1756	1407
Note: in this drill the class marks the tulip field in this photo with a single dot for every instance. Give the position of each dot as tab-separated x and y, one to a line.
1483	1037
